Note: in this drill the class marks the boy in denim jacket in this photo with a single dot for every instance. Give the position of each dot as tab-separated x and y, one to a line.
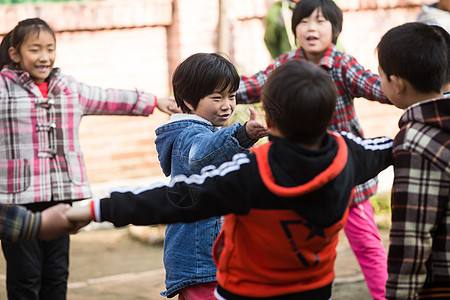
204	87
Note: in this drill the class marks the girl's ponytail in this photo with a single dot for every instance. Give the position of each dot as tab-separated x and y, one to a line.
4	47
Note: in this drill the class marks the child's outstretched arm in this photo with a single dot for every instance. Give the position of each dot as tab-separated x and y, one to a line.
214	192
254	129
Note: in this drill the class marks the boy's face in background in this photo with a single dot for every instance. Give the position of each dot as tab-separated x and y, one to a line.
37	55
315	34
216	107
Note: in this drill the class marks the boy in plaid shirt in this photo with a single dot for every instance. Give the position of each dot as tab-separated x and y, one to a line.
413	65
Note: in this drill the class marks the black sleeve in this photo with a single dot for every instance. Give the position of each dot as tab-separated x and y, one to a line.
369	156
217	192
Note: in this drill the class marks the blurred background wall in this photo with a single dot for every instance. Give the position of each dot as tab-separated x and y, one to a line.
138	44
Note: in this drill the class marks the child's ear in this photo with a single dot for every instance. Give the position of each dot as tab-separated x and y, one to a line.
398	83
14	55
270	123
274	131
188	105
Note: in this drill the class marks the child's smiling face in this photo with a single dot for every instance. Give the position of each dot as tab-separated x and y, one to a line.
36	55
216	107
315	34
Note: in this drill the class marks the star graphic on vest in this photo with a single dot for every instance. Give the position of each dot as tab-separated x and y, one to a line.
314	231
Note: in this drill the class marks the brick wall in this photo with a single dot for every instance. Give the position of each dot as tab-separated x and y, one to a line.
137	44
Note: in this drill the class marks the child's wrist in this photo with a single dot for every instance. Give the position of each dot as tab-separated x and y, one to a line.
92	206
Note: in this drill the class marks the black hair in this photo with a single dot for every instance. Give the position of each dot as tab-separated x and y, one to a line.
330	11
446	37
202	74
300	98
415	52
17	36
4	47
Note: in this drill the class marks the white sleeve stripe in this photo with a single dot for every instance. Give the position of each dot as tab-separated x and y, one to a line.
98	215
207	172
380	143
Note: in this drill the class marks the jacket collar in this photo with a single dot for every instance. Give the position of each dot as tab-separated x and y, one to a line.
327	59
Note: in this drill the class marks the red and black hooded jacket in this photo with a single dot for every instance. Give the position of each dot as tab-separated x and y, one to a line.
283	205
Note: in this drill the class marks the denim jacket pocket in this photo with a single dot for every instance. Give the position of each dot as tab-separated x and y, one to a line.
75	168
14	175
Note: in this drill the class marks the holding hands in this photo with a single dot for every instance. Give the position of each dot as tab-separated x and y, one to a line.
54	222
80	216
168	105
62	218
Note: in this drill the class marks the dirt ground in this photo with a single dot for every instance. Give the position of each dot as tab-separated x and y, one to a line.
111	264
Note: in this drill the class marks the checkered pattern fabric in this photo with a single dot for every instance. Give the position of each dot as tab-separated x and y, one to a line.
419	251
40	156
18	223
351	81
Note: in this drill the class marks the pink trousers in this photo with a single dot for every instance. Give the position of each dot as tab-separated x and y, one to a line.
364	238
200	291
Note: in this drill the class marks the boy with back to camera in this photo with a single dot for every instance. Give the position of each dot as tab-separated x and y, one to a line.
413	66
316	25
284	204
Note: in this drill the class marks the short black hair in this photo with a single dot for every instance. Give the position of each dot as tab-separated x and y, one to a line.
330	11
416	52
300	98
446	37
202	74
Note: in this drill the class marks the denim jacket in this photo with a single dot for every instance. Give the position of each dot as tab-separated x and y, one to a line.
186	144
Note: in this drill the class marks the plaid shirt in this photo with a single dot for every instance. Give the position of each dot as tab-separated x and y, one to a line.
40	156
351	81
18	223
419	251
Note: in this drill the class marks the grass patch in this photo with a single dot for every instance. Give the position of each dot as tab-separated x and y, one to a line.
381	204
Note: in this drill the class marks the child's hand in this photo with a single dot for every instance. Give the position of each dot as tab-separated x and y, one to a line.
80	216
54	222
168	106
255	130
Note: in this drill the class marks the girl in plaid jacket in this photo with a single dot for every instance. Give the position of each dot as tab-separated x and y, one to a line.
40	158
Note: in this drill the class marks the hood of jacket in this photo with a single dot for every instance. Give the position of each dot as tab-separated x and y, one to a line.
310	181
425	129
24	80
168	132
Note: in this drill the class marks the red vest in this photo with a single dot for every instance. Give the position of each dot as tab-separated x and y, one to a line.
274	252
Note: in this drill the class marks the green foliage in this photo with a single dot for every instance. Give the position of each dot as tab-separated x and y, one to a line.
381	203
